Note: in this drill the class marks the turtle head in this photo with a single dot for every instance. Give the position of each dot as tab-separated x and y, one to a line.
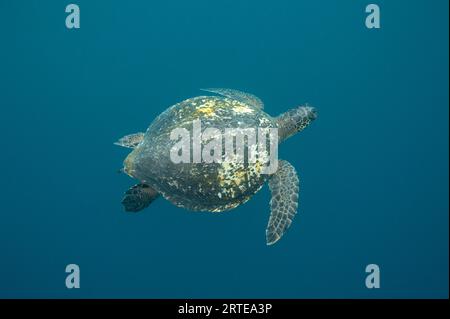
295	120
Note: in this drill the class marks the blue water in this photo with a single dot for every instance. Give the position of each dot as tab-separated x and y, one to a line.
373	166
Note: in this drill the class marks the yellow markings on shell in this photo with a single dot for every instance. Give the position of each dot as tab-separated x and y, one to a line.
256	169
232	176
242	108
207	109
239	177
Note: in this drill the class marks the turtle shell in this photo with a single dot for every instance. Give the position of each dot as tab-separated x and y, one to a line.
199	186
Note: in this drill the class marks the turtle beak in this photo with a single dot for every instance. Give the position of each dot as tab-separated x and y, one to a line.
311	112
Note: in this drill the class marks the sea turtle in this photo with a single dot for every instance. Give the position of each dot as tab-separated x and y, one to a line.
213	186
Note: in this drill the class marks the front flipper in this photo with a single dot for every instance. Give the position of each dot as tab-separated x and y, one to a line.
131	141
243	97
284	186
138	197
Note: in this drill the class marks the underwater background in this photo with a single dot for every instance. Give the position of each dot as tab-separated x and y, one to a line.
373	166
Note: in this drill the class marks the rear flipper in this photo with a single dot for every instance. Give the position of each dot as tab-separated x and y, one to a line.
284	186
138	197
